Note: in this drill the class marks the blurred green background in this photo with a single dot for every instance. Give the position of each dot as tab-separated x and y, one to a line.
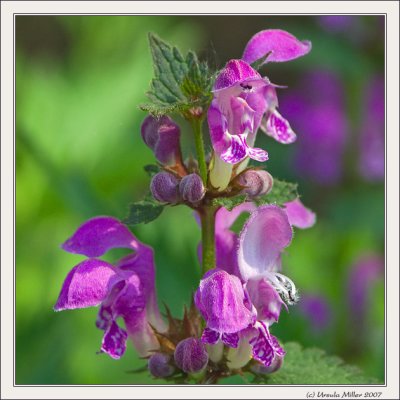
79	80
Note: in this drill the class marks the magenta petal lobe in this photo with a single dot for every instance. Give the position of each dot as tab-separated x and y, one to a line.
87	285
281	45
299	216
234	73
279	128
263	238
114	341
209	336
98	235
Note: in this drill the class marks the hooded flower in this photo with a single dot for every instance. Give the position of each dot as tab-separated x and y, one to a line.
241	299
123	290
243	100
223	304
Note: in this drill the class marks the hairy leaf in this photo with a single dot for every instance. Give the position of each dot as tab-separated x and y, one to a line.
313	366
180	84
143	211
282	192
229	202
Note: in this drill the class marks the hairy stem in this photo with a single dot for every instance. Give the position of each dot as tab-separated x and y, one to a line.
198	139
207	216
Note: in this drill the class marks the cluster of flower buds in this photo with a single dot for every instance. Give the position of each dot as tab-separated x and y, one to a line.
174	184
168	188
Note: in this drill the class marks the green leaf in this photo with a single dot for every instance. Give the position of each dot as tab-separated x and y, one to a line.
179	84
152	169
229	202
312	367
282	192
143	211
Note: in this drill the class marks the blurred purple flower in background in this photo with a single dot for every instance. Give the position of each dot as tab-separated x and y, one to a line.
317	310
336	23
372	136
364	273
317	110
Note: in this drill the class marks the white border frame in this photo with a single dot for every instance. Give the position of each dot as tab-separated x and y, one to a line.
8	8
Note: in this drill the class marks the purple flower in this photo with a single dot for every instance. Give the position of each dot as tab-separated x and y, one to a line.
223	304
317	109
123	290
230	117
372	138
244	101
162	135
241	299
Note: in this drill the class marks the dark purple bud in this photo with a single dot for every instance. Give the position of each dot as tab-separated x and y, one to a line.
165	187
191	188
159	365
260	369
162	136
191	355
257	183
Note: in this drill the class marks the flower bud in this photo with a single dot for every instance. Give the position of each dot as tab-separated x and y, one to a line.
159	365
162	136
260	369
256	182
191	188
165	187
191	355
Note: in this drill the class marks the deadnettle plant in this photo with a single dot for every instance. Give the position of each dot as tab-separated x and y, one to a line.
227	328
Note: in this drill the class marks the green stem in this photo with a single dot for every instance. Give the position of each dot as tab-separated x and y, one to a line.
198	139
207	215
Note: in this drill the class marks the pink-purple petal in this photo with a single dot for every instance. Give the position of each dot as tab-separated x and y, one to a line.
114	341
265	299
299	216
278	128
266	347
263	238
230	339
281	45
237	151
221	300
257	154
87	285
234	73
209	336
142	265
98	235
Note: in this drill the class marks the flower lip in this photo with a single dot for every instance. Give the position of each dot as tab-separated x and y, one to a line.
263	238
238	72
